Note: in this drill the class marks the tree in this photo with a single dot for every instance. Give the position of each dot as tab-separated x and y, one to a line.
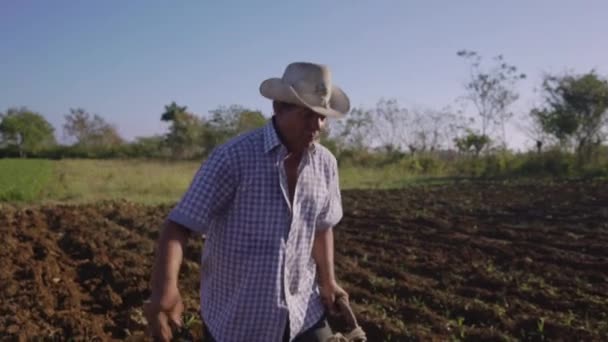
492	92
533	129
185	133
396	129
90	130
171	111
390	125
352	131
149	147
249	120
384	127
472	143
575	111
28	131
227	122
224	119
430	130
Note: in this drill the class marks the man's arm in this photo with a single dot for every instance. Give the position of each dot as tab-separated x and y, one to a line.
323	254
210	192
169	255
165	306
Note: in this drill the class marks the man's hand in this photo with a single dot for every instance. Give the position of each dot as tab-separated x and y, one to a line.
329	293
164	313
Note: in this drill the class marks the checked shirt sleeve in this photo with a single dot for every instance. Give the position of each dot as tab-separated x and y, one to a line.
332	212
209	193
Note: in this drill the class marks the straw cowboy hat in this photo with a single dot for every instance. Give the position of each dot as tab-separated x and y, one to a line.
308	85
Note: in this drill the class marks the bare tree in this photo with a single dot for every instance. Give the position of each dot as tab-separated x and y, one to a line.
90	130
390	125
430	129
492	91
353	131
393	128
533	130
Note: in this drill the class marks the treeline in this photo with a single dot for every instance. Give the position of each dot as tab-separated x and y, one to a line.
26	134
569	128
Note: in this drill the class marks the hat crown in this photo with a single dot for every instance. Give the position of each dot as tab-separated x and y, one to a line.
310	80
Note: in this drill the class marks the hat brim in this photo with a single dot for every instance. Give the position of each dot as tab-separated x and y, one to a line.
276	89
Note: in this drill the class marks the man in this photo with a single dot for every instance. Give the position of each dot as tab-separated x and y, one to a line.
267	201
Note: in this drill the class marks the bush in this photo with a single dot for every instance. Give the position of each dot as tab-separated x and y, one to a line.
410	165
427	165
468	166
501	164
553	163
595	171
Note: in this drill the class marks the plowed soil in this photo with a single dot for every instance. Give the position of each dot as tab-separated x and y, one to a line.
483	261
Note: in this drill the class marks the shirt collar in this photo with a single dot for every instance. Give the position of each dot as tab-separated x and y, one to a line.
271	138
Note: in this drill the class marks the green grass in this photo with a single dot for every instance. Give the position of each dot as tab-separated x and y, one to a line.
142	181
24	180
149	182
373	178
388	177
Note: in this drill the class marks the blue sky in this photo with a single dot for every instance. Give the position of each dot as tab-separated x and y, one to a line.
125	60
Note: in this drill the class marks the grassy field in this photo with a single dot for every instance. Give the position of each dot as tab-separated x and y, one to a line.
78	181
142	181
24	180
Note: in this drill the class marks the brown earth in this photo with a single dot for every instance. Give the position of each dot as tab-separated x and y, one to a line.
483	261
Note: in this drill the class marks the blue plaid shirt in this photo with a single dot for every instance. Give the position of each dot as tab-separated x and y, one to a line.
257	270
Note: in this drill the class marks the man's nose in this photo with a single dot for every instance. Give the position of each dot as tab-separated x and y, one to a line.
317	122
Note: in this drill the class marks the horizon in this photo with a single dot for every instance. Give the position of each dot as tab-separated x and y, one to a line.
126	61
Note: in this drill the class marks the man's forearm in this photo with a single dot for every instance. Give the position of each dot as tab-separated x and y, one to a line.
323	254
169	256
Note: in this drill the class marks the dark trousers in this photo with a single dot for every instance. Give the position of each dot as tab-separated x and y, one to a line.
319	332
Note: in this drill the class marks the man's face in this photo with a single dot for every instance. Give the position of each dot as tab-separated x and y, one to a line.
303	126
